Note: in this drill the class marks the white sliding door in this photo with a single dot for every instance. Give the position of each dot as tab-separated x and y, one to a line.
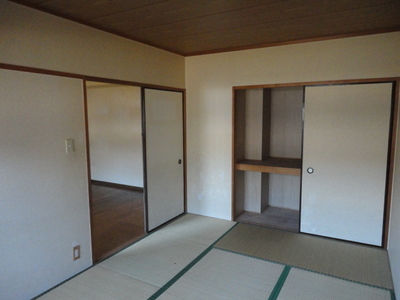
346	132
164	156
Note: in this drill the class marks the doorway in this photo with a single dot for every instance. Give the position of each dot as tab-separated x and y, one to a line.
114	117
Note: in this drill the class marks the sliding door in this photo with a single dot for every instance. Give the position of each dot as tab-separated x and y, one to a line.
44	209
163	115
345	151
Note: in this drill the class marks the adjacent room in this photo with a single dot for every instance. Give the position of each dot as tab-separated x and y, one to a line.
199	150
116	166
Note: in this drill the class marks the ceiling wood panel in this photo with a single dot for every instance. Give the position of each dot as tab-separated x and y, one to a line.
207	26
278	33
103	9
177	10
254	16
278	30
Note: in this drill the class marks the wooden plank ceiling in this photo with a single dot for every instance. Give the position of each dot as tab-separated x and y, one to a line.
191	27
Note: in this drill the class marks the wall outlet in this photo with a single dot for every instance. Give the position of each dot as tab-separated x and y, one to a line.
76	252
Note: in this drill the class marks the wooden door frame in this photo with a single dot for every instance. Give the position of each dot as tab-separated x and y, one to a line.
394	119
142	86
86	78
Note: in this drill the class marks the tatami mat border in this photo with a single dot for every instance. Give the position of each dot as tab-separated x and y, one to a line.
188	267
275	293
295	267
279	284
281	281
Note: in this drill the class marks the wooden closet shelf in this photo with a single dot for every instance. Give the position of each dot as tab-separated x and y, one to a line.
278	165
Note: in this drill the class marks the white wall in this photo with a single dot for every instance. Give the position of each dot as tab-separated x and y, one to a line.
44	205
209	81
115	133
35	39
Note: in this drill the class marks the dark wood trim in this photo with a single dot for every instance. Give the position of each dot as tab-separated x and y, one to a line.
144	147
40	71
233	158
117	185
167	223
89	175
302	155
132	83
184	152
87	77
87	144
316	83
300	41
391	162
120	248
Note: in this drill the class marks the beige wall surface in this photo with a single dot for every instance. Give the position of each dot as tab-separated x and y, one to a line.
115	133
209	81
44	205
35	39
46	208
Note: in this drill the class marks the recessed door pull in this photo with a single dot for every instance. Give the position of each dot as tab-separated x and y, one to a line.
310	170
179	161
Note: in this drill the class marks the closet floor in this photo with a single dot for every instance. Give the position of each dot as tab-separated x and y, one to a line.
274	217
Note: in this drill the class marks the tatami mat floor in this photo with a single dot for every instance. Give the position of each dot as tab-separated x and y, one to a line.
197	257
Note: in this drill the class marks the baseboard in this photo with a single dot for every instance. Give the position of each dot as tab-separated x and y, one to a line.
117	185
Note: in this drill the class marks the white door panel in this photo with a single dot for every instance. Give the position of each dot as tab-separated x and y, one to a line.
346	132
164	156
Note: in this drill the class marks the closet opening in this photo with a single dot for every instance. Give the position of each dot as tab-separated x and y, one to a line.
268	128
316	157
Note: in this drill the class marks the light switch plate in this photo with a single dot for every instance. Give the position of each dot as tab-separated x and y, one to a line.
69	146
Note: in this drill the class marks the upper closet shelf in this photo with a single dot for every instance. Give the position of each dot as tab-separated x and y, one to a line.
287	166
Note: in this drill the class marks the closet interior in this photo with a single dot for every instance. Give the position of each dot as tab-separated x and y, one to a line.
268	128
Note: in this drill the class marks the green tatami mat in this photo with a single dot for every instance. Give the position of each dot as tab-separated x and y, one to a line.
225	275
359	263
160	256
99	283
306	285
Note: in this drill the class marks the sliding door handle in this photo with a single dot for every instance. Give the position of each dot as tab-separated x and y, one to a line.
179	161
